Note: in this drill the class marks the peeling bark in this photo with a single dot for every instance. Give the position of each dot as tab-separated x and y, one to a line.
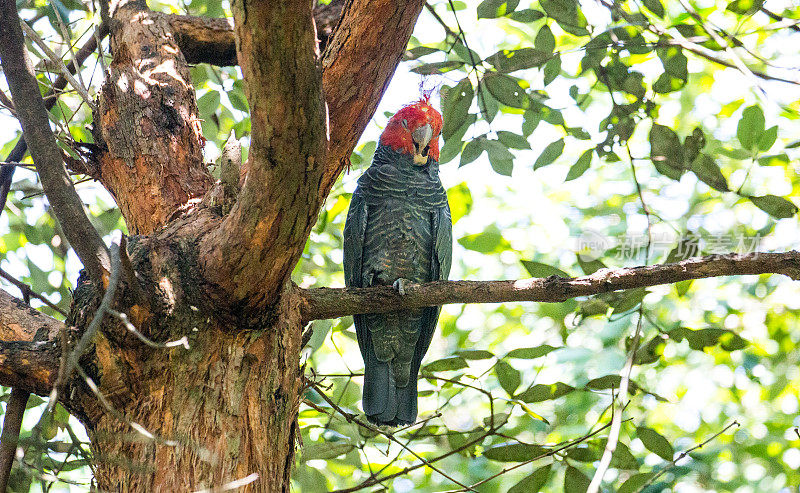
147	123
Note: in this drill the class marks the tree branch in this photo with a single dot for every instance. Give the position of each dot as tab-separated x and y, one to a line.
50	98
358	65
32	113
147	123
29	346
259	242
211	40
320	303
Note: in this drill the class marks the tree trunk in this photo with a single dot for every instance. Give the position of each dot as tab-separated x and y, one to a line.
224	410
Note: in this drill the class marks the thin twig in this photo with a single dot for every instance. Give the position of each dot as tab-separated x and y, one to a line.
34	36
27	289
122	317
683	455
350	418
616	420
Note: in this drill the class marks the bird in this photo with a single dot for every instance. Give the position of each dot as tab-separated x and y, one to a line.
398	231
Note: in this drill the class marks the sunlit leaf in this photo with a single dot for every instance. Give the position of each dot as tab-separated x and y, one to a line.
549	154
775	206
655	442
513	452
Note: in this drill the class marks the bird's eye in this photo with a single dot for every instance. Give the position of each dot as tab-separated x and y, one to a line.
404	123
425	151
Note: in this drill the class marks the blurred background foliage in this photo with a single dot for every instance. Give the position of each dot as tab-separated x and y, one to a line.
578	136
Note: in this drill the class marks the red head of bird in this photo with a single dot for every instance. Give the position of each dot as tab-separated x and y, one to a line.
415	130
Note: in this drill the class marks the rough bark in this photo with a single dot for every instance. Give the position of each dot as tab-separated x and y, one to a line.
211	40
147	122
259	242
358	65
29	351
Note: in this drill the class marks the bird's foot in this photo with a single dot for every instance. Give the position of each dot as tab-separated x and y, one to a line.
400	286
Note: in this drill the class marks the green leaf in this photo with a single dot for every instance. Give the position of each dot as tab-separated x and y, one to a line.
694	144
538	269
622	458
512	140
534	482
447	364
575	481
489	241
418	51
472	151
451	148
568	15
626	300
506	89
666	151
507	61
508	376
549	154
709	173
531	352
650	352
455	107
634	483
655	442
466	54
745	7
237	97
487	104
703	338
437	67
774	160
775	206
580	166
500	158
590	266
750	127
325	450
207	104
460	199
655	7
474	354
544	392
545	41
552	69
491	9
526	15
674	62
767	139
514	452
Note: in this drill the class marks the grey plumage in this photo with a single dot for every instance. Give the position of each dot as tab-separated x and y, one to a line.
398	226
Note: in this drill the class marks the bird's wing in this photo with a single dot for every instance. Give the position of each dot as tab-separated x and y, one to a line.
440	268
354	230
443	241
353	258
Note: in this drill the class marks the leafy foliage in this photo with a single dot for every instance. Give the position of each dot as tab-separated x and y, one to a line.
624	134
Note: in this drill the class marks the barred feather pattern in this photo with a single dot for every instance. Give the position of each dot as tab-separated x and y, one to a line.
398	226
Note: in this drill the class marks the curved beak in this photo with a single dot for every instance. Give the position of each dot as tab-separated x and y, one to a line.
422	137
